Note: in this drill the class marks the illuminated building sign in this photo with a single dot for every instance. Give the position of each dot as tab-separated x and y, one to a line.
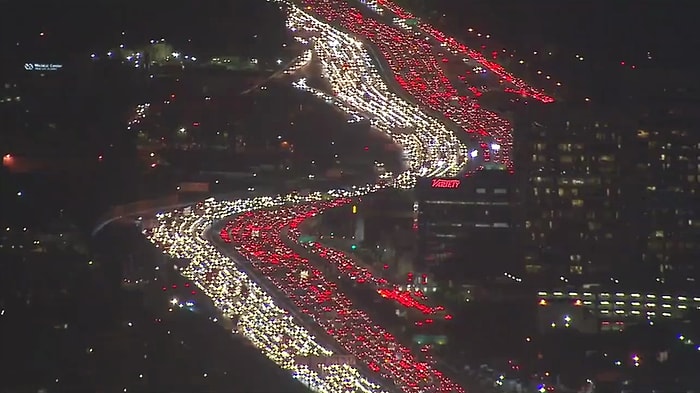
445	183
42	67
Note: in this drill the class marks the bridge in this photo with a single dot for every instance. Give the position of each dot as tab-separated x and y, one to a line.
152	206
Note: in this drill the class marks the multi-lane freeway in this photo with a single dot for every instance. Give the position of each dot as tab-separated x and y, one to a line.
245	254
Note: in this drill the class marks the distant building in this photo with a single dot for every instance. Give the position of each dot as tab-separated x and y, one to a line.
616	309
466	227
574	215
667	172
613	198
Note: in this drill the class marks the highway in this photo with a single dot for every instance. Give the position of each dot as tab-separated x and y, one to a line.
418	68
278	331
212	234
430	148
317	294
239	250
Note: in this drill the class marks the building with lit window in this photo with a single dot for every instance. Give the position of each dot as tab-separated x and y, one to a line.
613	309
606	199
466	226
575	219
668	174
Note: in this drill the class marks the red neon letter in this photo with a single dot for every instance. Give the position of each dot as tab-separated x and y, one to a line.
445	183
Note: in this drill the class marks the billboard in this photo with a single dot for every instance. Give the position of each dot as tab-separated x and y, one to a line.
42	66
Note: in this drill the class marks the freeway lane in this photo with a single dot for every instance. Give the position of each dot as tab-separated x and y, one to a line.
151	207
415	67
212	234
384	69
234	281
363	281
257	237
429	147
261	320
451	43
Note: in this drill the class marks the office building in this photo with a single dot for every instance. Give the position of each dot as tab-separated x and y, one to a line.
575	218
613	309
466	228
667	174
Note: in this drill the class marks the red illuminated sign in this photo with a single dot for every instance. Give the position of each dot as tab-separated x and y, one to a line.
445	183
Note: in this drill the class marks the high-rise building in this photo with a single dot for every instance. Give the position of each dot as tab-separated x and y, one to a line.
574	215
667	174
613	198
466	227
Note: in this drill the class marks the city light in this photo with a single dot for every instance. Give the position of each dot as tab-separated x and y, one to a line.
359	91
425	80
271	328
275	319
